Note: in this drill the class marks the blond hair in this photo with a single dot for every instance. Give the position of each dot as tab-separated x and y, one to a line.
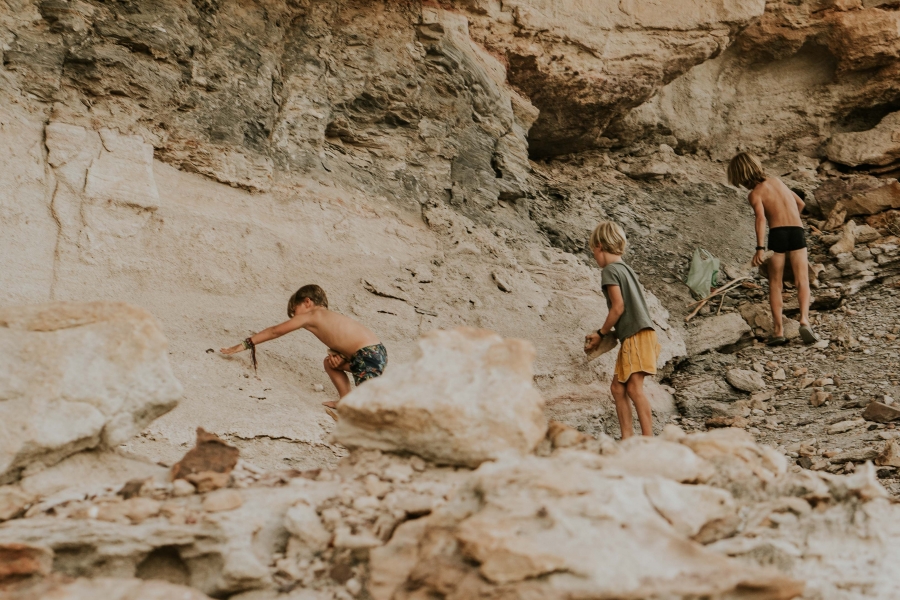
745	170
609	237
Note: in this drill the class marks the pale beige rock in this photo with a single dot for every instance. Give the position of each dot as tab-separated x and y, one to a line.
543	538
689	508
716	332
302	521
13	501
390	565
818	398
890	455
745	380
735	452
844	426
222	500
877	146
182	487
641	457
847	241
225	552
106	588
466	397
78	376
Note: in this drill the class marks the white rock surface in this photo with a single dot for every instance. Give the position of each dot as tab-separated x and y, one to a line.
466	397
78	376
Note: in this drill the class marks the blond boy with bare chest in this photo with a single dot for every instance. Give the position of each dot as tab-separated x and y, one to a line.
774	203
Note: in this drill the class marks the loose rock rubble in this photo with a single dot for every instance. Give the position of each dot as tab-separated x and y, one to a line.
678	516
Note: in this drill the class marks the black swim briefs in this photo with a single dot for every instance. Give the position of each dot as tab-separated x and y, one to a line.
786	239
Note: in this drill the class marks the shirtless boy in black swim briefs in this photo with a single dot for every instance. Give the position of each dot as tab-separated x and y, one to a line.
775	203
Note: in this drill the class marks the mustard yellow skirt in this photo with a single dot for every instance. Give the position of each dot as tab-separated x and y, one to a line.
638	354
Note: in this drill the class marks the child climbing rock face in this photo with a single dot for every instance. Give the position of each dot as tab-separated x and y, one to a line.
351	346
629	315
774	203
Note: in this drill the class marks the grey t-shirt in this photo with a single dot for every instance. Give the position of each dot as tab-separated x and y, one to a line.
636	316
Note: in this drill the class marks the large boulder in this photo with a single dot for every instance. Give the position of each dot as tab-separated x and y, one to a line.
78	376
716	332
877	146
466	398
860	195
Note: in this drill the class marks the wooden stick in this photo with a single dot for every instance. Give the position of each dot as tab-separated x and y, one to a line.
715	293
722	303
696	310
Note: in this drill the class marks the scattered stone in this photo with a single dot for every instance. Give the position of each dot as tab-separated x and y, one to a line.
13	501
763	396
207	481
818	398
23	560
744	380
739	422
881	413
182	487
222	500
889	455
467	397
501	281
806	382
302	521
779	375
209	455
845	426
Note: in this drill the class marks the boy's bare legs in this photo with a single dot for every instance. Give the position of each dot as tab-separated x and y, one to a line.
340	380
623	408
776	279
800	265
635	390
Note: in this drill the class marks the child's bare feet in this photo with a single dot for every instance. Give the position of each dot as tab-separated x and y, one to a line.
330	404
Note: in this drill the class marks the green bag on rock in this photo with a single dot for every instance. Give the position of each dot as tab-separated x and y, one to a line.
703	274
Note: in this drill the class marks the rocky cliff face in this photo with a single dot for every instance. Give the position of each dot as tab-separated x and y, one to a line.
431	165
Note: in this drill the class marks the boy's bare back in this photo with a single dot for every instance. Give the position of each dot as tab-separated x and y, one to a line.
337	331
781	205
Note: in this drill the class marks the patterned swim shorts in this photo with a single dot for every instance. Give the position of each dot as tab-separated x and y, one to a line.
368	363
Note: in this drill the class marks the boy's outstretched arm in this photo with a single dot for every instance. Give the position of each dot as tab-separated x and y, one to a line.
616	310
270	333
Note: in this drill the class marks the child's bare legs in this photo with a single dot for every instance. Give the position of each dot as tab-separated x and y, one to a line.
800	265
633	389
339	378
623	408
776	279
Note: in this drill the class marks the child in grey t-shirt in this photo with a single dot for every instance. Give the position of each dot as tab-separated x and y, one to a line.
629	315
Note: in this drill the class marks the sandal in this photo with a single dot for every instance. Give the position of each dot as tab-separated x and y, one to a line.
331	413
330	404
776	340
809	336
